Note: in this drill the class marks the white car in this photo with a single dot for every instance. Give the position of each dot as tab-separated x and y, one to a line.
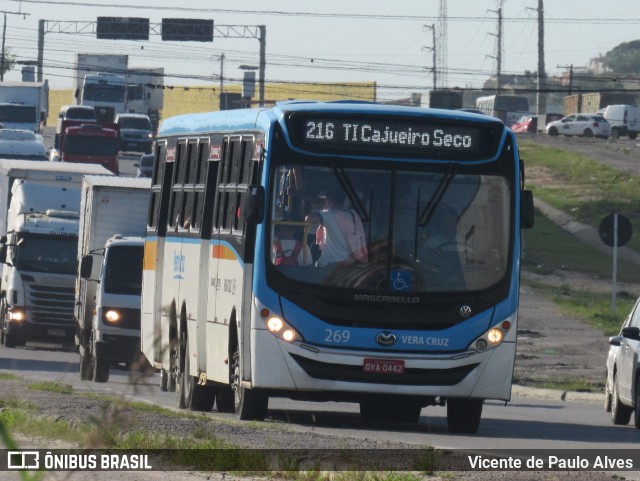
587	125
622	389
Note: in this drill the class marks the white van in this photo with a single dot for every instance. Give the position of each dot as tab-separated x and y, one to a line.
624	120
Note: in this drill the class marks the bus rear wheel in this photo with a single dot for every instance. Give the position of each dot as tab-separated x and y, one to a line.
463	415
196	397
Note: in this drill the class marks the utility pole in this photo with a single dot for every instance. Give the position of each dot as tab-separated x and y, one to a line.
498	56
222	107
263	62
541	99
4	35
433	49
570	67
3	55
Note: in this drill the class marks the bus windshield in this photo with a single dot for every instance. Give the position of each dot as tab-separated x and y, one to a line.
424	232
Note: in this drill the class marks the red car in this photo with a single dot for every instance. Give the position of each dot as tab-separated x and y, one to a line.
526	123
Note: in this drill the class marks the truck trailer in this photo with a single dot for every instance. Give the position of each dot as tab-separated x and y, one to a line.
113	212
39	210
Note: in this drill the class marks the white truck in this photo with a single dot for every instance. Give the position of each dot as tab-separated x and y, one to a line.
99	81
39	205
145	94
106	82
113	219
24	105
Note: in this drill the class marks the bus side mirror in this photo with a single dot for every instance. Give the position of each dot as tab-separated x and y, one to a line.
254	208
526	208
86	264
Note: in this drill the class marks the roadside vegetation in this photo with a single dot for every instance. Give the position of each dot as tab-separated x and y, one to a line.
580	186
589	191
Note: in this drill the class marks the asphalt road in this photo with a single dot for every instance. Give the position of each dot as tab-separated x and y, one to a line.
525	423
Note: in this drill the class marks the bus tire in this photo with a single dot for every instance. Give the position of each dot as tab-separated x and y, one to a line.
620	414
390	409
196	397
463	415
164	380
248	403
178	362
633	135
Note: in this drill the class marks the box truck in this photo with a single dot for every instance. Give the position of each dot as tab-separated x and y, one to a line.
106	82
39	210
113	219
24	105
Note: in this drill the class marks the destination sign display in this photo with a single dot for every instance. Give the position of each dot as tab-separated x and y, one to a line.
393	137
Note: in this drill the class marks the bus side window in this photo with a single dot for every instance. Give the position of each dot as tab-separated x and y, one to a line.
244	178
187	214
197	180
177	190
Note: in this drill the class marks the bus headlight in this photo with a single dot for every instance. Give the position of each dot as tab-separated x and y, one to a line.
281	329
492	338
112	316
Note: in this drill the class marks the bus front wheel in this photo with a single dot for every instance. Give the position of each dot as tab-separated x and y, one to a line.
463	415
247	403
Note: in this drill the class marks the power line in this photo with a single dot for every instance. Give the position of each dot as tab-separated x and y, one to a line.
345	15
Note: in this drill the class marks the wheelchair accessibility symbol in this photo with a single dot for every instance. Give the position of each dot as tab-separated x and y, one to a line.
401	281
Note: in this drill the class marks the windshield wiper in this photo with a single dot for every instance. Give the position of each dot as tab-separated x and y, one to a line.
436	198
356	203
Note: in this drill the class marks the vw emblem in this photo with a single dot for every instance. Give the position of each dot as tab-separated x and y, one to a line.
386	338
465	311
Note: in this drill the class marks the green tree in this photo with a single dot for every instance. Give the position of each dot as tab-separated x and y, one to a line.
9	61
624	58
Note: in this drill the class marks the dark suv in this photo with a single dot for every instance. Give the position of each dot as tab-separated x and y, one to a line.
136	133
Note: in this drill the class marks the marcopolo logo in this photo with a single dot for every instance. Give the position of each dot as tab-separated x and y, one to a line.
386	338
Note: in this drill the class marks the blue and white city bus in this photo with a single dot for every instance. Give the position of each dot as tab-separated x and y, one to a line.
411	323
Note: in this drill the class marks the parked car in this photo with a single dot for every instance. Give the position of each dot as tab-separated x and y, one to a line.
587	125
622	388
136	133
526	123
145	166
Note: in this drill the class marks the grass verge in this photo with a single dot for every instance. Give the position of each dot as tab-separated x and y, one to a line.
587	189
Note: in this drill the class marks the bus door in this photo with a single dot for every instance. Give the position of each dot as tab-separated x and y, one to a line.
153	338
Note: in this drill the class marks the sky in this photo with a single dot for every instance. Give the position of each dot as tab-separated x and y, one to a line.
388	42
